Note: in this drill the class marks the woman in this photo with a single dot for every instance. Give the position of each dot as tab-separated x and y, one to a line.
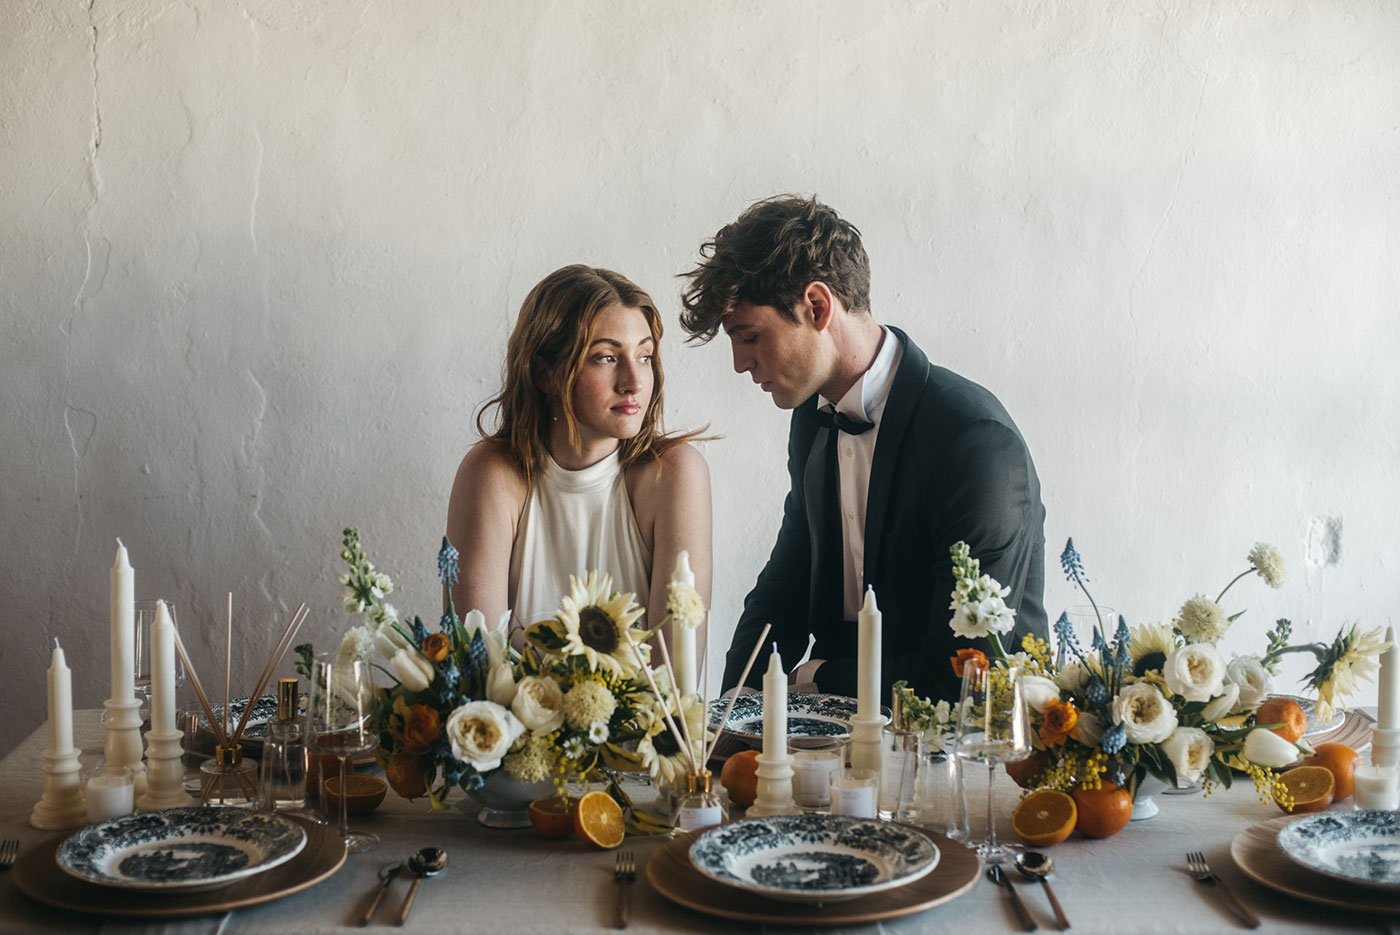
577	476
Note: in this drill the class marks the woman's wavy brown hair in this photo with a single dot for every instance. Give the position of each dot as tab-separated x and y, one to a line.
548	346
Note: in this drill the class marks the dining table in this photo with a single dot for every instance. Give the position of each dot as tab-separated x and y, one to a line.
519	882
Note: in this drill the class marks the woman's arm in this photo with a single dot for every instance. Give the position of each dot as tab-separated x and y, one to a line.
675	495
487	497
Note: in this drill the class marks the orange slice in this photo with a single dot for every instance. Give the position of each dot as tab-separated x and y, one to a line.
1305	789
598	820
1342	761
553	817
1044	818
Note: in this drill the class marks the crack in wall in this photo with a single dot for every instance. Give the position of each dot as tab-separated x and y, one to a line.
257	191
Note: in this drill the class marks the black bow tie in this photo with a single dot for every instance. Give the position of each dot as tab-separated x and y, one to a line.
832	419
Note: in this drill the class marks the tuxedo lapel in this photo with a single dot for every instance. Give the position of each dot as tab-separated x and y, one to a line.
904	395
823	495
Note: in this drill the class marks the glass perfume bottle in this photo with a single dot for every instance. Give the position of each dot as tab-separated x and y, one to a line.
701	805
283	781
900	757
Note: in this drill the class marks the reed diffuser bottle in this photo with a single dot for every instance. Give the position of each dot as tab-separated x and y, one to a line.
282	784
701	805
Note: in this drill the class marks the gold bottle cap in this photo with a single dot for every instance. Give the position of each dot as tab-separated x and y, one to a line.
897	720
696	784
287	699
229	756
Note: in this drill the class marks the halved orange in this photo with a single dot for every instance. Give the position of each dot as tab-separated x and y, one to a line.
1044	818
553	817
1342	761
598	820
1310	788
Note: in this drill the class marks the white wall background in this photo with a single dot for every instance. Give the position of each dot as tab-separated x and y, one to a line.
258	262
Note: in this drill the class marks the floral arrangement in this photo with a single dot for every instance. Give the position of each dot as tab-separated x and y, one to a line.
1157	699
574	706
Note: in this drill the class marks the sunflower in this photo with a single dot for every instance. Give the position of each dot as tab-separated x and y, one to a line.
596	621
1149	646
1352	656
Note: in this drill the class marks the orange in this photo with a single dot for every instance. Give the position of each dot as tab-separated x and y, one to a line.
1103	812
1310	787
405	775
365	793
553	817
1342	761
1286	713
598	820
1044	818
1024	772
740	777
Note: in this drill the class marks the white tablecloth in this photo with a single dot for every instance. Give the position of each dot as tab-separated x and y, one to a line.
517	882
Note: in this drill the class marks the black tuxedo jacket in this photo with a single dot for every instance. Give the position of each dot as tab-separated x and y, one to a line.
949	465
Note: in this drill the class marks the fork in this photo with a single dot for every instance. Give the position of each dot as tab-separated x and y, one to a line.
1196	863
624	875
9	853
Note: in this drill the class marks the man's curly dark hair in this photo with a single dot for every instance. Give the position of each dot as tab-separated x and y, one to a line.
775	249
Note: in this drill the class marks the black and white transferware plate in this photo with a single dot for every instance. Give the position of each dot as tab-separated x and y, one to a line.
1359	846
813	858
180	849
813	720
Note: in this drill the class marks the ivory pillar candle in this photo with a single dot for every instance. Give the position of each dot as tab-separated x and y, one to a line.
123	624
683	638
1388	705
163	671
868	690
775	707
60	682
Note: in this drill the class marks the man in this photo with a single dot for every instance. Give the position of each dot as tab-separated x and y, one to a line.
891	459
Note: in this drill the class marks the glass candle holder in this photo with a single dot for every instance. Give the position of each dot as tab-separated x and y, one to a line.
811	776
900	750
109	792
1376	787
854	792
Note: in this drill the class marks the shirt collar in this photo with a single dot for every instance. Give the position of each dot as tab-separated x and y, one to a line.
865	400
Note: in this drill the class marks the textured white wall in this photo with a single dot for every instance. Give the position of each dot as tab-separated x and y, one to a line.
259	260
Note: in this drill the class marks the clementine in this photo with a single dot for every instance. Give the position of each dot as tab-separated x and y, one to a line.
740	777
1311	788
1024	772
1284	712
1342	761
598	820
1044	818
1102	812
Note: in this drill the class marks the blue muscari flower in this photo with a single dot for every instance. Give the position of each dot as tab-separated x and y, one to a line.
1099	645
1064	632
445	623
1116	774
472	780
1113	739
477	655
447	687
1071	562
447	563
420	632
1096	693
1121	639
454	771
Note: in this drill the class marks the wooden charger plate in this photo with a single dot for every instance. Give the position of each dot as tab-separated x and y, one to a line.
671	873
1256	852
39	877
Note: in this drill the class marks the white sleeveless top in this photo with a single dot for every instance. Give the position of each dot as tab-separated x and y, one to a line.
575	522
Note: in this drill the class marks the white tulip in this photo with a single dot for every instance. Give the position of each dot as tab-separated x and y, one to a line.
1268	749
1039	692
500	685
413	671
1223	704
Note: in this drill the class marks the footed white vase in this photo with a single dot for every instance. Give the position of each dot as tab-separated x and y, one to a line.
1143	806
505	801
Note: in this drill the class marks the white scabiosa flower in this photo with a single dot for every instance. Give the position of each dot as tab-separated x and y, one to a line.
1202	620
1268	562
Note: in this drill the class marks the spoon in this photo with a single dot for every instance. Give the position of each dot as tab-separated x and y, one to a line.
999	877
428	862
387	875
1034	865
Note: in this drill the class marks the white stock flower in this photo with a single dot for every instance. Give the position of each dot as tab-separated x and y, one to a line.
351	602
413	671
1268	749
356	644
1195	671
538	703
1144	713
1039	692
481	732
1253	679
500	685
1189	749
1223	704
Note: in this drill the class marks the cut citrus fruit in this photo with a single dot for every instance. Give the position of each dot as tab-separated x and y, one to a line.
1044	818
1305	789
1103	812
1342	761
553	817
598	820
1284	712
1024	772
740	777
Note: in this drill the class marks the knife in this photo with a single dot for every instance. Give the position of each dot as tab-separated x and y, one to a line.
996	875
386	876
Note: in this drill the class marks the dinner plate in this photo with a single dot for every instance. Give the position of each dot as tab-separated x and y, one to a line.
1360	846
180	850
1256	852
813	720
813	858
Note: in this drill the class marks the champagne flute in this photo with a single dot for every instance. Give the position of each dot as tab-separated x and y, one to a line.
340	723
993	727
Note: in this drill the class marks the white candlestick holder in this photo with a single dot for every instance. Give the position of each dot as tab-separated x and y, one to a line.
165	773
1385	746
866	736
62	805
123	747
774	795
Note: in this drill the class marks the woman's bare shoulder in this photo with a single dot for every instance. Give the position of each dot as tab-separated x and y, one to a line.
489	466
680	467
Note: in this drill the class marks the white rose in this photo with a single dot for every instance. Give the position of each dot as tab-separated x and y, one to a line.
1073	677
413	671
1144	713
1194	671
1223	704
1253	679
500	685
1189	749
1268	749
1039	692
538	703
481	732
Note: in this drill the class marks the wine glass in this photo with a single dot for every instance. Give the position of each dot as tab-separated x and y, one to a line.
145	619
340	723
993	727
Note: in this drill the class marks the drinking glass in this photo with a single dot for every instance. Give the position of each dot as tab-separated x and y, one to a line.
1085	620
145	619
992	727
340	723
